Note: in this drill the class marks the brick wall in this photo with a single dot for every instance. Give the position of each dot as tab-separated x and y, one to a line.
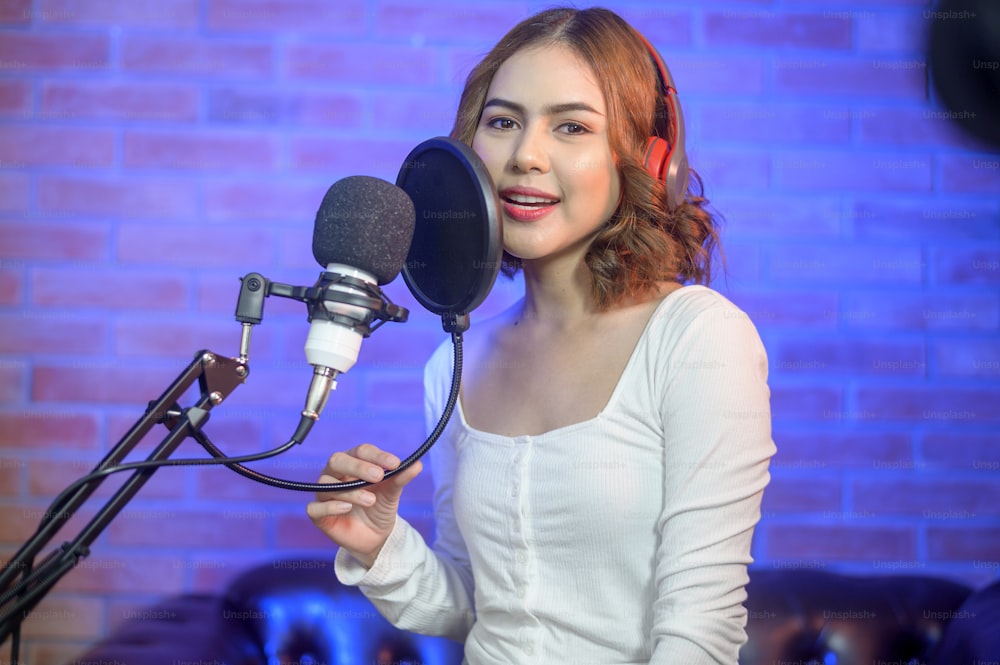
153	152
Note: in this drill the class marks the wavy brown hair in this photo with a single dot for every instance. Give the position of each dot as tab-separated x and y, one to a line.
645	242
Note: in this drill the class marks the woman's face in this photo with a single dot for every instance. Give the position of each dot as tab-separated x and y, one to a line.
543	136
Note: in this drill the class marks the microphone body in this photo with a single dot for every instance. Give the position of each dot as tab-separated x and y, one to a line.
362	235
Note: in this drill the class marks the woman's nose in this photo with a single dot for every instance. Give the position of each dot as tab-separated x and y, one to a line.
530	152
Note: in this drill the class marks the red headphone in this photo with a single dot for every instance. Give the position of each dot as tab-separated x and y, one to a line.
666	160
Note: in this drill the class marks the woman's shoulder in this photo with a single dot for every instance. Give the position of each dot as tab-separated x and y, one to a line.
695	301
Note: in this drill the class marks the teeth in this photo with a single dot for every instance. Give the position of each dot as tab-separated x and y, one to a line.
521	198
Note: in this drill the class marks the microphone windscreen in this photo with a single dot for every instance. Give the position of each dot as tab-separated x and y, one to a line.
458	240
366	223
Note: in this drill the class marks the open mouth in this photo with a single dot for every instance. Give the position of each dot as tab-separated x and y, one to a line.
529	201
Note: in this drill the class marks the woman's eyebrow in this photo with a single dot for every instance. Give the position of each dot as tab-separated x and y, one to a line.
552	109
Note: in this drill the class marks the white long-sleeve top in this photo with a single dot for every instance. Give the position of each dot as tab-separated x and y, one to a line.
621	539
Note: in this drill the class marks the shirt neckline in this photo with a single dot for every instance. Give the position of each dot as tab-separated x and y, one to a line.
612	400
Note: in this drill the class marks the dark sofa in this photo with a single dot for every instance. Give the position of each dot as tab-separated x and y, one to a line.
294	612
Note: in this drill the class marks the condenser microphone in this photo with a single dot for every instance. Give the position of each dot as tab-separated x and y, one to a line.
457	241
363	230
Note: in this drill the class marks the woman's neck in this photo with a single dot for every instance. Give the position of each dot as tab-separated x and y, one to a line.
556	294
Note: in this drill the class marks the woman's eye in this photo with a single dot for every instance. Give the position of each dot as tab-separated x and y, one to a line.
574	128
502	123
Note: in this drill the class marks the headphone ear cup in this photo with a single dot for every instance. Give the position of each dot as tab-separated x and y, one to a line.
657	157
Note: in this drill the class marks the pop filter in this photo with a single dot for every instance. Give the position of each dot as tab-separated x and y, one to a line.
457	239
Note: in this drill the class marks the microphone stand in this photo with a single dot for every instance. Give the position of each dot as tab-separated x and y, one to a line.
217	378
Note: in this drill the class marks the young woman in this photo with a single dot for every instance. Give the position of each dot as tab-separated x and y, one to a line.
598	487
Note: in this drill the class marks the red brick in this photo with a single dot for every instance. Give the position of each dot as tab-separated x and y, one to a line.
917	311
131	574
212	573
13	383
943	406
44	653
967	357
807	450
971	173
773	124
15	12
174	526
42	240
798	495
284	388
10	286
298	532
382	158
123	13
362	63
810	402
191	245
299	108
856	79
299	16
407	113
854	356
962	450
704	74
295	251
104	100
172	337
837	171
200	151
15	189
732	169
770	309
961	543
663	27
109	289
935	500
831	262
979	265
216	484
742	263
54	51
443	23
343	429
26	146
218	294
889	32
15	97
41	332
192	56
47	478
11	470
769	29
54	430
292	202
931	219
400	348
221	430
119	196
895	126
395	392
839	542
19	523
118	383
60	618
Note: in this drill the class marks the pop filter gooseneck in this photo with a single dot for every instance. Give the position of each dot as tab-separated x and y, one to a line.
457	242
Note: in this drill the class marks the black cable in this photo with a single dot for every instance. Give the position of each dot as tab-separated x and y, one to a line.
236	463
456	379
53	510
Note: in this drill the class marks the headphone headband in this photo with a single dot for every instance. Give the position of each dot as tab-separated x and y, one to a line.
666	158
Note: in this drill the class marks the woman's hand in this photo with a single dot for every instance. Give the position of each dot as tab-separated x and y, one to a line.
360	520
